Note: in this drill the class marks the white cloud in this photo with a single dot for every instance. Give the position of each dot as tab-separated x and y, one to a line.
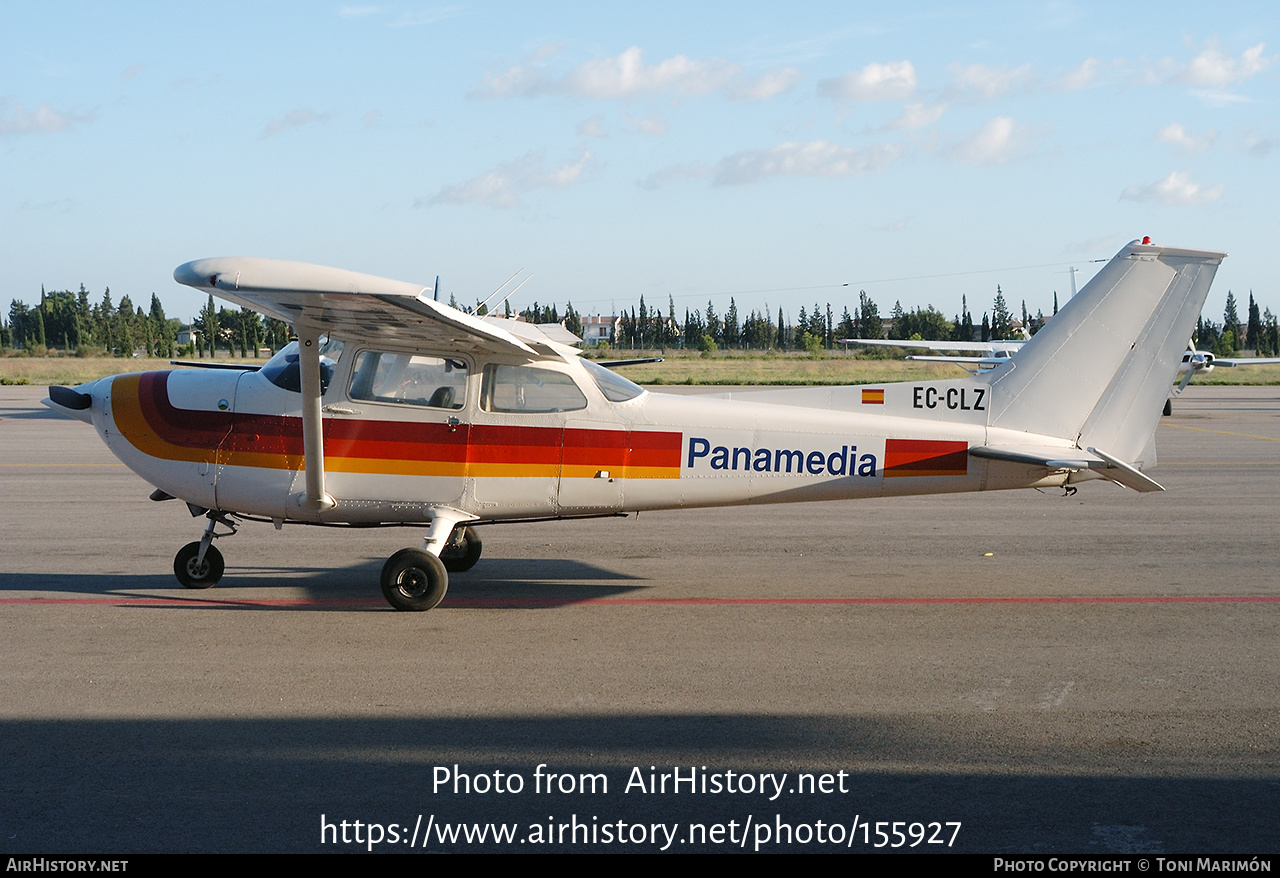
1213	69
503	186
1211	74
426	16
671	173
1079	78
894	81
653	124
980	82
294	119
917	116
771	84
592	126
17	119
992	144
357	11
1258	145
818	158
1175	189
1177	135
1218	98
627	75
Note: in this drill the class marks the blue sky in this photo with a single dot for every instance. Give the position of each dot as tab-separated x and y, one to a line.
769	152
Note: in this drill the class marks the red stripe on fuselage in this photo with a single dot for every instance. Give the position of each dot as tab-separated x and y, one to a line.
402	440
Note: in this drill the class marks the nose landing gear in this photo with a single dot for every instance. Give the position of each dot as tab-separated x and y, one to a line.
199	564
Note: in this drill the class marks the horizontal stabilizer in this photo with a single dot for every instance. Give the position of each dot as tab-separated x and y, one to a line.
1051	458
1123	474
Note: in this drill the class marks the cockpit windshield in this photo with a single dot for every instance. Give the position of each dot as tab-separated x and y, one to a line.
614	387
284	371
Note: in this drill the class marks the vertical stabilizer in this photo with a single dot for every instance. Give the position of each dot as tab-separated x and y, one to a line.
1100	370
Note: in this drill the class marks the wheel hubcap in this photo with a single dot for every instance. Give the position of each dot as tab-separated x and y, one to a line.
412	583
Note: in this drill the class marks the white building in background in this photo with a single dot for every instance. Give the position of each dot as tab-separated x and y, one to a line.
598	328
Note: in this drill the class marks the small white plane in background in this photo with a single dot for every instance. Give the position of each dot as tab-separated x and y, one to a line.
1193	363
393	409
994	352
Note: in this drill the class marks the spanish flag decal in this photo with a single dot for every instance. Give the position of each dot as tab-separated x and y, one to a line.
925	457
873	396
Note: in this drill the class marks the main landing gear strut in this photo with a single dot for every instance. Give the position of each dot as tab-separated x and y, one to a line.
412	579
417	579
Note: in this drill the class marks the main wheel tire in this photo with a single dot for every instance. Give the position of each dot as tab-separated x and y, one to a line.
1168	407
464	555
193	575
414	580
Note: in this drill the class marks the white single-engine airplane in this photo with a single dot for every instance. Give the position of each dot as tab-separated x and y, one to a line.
393	409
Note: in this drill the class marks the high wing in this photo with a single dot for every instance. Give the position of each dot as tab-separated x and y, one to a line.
357	307
353	306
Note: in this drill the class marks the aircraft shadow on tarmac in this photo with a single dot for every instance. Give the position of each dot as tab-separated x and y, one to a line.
33	414
244	785
494	584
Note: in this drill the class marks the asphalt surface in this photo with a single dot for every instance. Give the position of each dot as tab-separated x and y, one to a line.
1091	674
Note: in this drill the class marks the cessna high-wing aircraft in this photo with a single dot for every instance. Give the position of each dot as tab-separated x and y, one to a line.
394	409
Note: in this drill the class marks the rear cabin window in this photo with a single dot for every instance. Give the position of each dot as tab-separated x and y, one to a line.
409	379
528	389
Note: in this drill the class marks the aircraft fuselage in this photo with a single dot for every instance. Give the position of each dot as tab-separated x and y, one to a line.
232	441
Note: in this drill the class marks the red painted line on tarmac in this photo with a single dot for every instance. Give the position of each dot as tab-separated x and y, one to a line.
190	602
1229	599
462	602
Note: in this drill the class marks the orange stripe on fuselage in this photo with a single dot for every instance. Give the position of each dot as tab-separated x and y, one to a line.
146	418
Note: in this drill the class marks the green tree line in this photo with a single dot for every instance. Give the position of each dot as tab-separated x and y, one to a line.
71	322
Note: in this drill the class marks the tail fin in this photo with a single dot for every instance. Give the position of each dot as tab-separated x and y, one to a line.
1098	372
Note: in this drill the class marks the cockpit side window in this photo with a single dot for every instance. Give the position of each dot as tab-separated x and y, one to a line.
409	379
529	390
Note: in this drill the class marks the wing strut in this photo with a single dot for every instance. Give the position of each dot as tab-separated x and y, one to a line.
316	499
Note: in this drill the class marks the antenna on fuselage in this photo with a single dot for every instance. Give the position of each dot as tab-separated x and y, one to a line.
499	289
436	295
513	291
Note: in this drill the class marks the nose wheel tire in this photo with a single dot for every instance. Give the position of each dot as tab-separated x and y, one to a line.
465	554
414	580
203	575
